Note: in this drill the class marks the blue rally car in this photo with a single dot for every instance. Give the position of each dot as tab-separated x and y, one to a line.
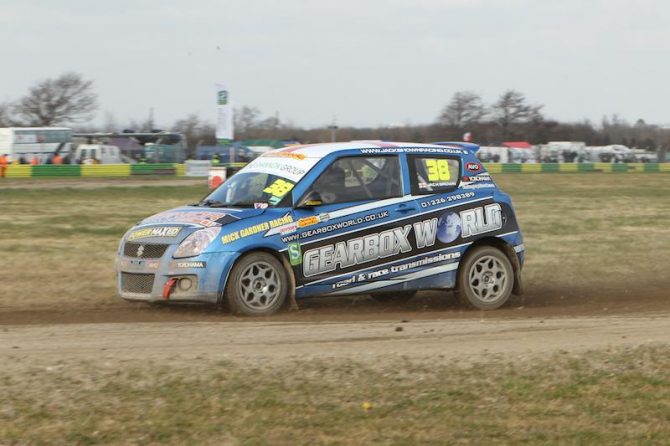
370	217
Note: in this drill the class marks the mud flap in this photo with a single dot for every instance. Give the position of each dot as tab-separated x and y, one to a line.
517	290
292	302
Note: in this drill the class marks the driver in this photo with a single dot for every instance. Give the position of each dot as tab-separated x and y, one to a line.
330	184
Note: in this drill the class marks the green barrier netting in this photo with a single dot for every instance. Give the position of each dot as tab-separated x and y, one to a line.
58	170
585	167
652	167
551	167
153	169
507	167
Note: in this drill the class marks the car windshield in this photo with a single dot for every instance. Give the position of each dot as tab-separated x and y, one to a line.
249	189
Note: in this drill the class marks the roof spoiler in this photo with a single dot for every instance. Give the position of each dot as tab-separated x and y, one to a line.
461	145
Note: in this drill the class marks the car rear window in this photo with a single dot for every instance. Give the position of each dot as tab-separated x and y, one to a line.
433	174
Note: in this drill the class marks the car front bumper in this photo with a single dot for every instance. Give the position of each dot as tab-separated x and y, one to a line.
197	279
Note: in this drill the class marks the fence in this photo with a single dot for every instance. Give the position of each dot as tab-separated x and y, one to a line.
128	170
93	170
578	167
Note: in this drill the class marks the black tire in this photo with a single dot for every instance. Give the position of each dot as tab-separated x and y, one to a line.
394	296
257	285
485	279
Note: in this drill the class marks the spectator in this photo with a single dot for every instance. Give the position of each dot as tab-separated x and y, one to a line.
57	159
35	160
23	160
3	166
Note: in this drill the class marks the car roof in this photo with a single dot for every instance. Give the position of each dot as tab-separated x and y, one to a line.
323	149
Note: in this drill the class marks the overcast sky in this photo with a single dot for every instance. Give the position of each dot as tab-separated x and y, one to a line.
368	62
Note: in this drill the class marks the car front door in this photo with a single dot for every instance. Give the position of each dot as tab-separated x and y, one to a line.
348	226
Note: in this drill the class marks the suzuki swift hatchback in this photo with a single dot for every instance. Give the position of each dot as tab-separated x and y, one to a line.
377	218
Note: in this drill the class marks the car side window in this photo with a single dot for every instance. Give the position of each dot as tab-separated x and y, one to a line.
358	178
433	174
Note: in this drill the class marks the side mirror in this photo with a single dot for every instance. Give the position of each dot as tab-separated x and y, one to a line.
313	198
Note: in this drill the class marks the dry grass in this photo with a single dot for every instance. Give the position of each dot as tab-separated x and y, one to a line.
59	244
594	231
582	230
615	397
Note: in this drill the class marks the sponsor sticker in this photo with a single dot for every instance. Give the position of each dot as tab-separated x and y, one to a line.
420	150
260	205
257	228
198	217
403	239
478	178
308	221
158	231
356	251
190	264
473	167
372	275
273	154
313	220
295	254
288	230
479	186
443	200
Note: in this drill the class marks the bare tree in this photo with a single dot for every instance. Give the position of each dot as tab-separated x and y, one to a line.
511	108
465	109
196	132
246	119
5	115
65	100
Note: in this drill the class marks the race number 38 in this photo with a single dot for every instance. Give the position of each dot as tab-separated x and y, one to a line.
279	188
438	170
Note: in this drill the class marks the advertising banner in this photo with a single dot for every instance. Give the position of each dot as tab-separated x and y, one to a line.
224	119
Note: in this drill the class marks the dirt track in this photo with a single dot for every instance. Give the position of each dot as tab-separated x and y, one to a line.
427	328
278	342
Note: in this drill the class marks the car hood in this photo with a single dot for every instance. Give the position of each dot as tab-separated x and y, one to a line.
202	216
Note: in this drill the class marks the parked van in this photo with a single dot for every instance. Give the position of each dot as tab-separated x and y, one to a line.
97	154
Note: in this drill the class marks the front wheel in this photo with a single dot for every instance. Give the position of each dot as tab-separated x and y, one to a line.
485	278
257	285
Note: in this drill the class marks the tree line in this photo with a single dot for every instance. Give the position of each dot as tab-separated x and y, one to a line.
69	100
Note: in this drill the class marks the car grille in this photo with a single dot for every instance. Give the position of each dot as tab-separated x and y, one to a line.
137	283
148	251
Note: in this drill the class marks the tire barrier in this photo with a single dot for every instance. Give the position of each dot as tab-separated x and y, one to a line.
169	169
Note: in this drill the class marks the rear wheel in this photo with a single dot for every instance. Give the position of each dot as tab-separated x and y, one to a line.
397	296
485	278
257	285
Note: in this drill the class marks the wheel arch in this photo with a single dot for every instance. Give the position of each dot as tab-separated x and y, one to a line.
277	255
508	250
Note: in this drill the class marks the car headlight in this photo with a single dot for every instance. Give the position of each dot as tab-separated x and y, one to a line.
196	243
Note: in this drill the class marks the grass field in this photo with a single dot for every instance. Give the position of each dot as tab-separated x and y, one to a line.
595	232
604	398
586	235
